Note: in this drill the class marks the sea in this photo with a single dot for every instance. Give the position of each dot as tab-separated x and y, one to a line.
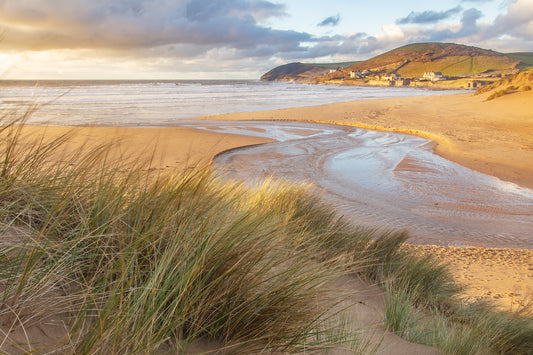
166	103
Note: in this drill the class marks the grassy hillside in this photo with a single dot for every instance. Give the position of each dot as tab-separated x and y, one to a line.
301	71
411	61
526	59
459	65
334	65
450	59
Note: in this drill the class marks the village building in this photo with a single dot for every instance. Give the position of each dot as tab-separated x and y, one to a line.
390	77
356	75
433	76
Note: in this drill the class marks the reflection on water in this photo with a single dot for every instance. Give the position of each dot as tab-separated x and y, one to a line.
386	179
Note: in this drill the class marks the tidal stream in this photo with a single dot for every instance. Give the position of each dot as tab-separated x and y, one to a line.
387	180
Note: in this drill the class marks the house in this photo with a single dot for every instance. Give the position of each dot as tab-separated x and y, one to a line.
433	76
390	77
356	75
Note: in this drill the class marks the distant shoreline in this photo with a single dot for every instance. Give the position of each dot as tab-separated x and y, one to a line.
470	84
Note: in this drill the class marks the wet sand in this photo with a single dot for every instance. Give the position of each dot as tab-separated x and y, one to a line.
492	137
386	180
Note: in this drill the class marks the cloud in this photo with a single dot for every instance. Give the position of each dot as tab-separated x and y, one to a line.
517	22
509	31
478	1
200	10
428	16
134	24
169	36
330	21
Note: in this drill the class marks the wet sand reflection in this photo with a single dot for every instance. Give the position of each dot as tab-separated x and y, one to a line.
386	179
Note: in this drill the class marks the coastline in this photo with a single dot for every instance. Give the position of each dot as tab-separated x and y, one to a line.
440	85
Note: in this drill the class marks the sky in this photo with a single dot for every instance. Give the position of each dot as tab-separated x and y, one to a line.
236	39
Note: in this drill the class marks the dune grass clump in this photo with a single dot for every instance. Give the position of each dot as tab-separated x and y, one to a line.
497	94
129	262
515	82
423	301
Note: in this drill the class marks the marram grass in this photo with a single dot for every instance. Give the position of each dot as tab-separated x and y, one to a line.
125	261
133	263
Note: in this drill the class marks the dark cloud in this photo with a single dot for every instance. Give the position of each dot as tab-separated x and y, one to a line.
428	17
136	24
469	22
330	21
200	10
468	27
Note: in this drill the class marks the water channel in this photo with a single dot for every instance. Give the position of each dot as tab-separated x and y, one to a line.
382	179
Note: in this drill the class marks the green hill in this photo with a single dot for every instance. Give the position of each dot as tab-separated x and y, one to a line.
411	61
448	58
301	71
526	59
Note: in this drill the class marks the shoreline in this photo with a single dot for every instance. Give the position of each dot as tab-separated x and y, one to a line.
439	85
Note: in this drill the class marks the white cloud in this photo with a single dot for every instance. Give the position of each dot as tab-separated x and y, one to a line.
391	32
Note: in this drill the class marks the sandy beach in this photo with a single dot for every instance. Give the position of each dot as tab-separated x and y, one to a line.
172	149
492	137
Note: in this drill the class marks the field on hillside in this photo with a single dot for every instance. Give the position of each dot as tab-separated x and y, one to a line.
453	66
525	57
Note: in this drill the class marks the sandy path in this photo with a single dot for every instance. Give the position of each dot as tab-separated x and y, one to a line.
504	276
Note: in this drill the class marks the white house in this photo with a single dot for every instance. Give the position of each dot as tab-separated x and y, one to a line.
356	75
391	77
433	76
